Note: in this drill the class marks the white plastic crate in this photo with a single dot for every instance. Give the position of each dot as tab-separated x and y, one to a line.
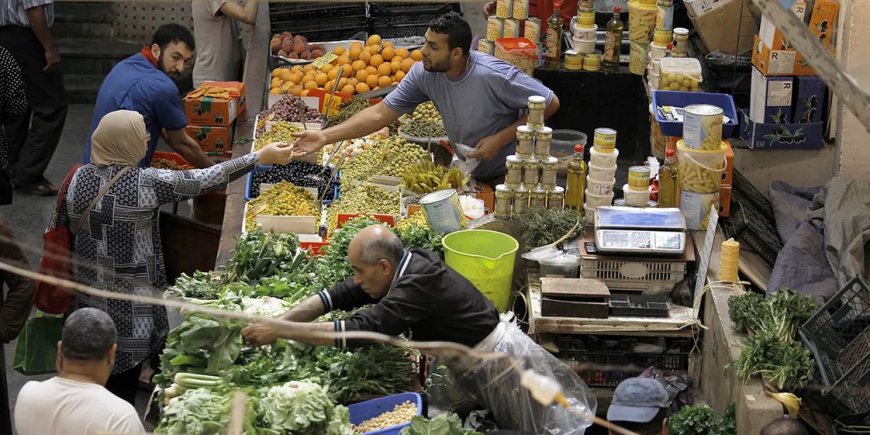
647	276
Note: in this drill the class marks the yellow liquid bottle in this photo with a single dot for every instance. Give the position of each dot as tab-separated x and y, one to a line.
668	182
576	180
613	42
553	39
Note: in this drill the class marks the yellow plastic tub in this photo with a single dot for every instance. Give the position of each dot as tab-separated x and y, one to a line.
486	258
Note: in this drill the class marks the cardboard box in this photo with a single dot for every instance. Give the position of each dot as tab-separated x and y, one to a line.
237	89
716	27
781	136
212	140
809	100
771	98
773	37
212	111
728	175
823	21
779	62
725	200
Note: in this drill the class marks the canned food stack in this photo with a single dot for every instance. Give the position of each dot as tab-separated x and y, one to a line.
602	171
641	22
700	163
530	180
511	20
583	29
637	190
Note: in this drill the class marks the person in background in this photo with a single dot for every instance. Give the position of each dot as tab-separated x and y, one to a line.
641	406
123	227
785	426
481	100
13	105
220	55
25	30
14	308
144	83
75	400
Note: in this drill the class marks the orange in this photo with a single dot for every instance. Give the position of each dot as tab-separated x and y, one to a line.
308	67
296	90
361	75
376	61
285	74
276	82
321	79
326	68
372	70
296	78
333	74
307	78
372	80
389	44
362	88
388	53
384	69
304	93
400	75
342	82
374	40
407	64
354	53
373	49
358	65
348	89
365	57
276	73
310	85
275	91
344	59
339	50
352	81
356	45
329	85
417	55
402	52
286	86
384	81
296	68
395	66
347	72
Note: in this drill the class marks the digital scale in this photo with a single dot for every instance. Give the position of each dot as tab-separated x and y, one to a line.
631	230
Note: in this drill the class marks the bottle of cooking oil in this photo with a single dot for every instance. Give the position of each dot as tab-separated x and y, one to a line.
668	182
553	41
613	42
576	181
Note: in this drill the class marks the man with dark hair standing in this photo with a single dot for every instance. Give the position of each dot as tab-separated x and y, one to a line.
641	406
75	400
144	83
481	99
25	30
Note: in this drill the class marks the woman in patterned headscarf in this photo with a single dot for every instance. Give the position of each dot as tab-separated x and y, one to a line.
117	246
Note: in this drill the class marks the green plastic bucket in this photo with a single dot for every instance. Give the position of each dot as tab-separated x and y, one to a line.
486	258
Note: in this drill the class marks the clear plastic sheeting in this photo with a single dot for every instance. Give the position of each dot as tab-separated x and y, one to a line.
496	384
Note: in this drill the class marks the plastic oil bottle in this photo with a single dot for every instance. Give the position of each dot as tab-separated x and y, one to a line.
553	39
613	42
576	180
668	182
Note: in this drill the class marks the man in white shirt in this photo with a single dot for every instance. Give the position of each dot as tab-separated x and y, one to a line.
75	401
219	53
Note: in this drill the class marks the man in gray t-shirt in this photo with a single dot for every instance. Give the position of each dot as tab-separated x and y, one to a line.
481	99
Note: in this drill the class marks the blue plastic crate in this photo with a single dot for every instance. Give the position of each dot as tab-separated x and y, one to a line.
683	99
249	183
360	412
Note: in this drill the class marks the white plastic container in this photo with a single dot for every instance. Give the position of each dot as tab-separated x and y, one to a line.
590	214
602	159
680	74
654	79
602	173
583	46
636	197
600	187
593	200
583	32
657	51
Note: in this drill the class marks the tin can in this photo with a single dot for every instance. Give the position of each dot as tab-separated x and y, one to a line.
486	46
543	140
538	197
514	176
532	30
537	105
604	139
503	197
504	8
521	9
555	196
521	201
525	135
443	211
696	207
592	61
585	5
702	127
573	60
663	36
638	177
511	28
494	27
549	169
586	18
531	172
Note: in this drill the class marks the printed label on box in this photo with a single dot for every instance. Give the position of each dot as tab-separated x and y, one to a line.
779	93
781	62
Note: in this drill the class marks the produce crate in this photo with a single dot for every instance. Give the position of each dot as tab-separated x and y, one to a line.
649	276
384	218
683	99
173	157
606	369
399	20
318	21
299	11
362	411
838	335
251	192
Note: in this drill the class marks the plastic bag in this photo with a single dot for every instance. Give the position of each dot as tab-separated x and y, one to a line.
465	164
496	384
36	349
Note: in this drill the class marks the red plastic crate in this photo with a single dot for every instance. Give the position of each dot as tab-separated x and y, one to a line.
175	157
384	218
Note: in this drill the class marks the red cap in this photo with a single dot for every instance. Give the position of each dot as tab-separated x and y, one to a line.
578	148
617	9
670	152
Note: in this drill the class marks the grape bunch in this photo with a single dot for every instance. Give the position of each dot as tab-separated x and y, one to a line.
295	172
288	109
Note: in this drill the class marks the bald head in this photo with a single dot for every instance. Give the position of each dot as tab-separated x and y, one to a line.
376	242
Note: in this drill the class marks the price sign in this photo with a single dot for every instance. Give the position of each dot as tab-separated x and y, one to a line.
324	60
331	104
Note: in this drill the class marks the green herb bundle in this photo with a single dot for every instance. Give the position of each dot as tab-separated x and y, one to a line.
539	227
702	420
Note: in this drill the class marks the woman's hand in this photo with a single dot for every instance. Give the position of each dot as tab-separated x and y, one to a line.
275	153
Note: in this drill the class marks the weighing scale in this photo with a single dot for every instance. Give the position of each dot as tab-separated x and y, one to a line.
631	230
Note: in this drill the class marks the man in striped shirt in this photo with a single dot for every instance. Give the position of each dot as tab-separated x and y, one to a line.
411	290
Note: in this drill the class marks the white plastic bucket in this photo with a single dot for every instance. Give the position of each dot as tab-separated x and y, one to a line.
598	200
603	159
636	197
602	173
584	46
590	214
443	211
600	187
583	32
700	171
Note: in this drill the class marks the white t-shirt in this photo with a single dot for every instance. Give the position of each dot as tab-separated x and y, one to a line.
218	47
63	406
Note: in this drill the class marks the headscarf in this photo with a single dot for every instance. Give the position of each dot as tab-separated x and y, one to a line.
120	139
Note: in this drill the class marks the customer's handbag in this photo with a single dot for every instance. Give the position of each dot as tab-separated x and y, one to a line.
36	348
56	251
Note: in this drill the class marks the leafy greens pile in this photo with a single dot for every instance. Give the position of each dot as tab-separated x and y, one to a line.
539	227
702	420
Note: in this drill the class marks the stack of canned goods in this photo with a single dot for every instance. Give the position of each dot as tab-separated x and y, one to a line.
530	180
511	20
602	171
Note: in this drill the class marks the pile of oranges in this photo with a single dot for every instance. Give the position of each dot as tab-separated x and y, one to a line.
363	69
